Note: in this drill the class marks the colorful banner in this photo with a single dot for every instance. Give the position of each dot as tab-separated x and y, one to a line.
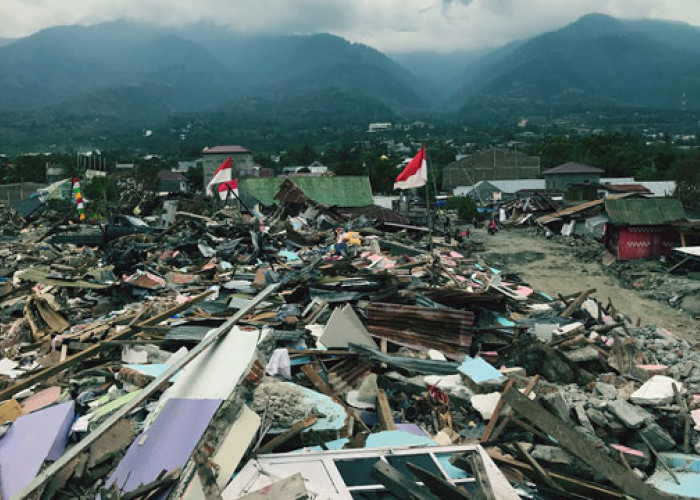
78	197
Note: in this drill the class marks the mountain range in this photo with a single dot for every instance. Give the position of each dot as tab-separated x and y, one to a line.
124	74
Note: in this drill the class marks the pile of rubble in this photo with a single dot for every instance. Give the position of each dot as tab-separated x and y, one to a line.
305	353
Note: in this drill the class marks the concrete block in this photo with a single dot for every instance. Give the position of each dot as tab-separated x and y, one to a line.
606	391
657	436
632	416
658	390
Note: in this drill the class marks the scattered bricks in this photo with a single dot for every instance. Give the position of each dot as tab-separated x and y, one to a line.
645	372
632	416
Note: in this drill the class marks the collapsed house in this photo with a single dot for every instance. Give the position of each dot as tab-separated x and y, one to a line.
307	353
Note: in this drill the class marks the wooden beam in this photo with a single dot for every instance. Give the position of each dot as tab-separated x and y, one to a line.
399	484
537	468
496	412
438	485
576	303
481	476
293	431
386	416
530	387
147	391
575	444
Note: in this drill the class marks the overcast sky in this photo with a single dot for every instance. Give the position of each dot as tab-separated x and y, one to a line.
389	25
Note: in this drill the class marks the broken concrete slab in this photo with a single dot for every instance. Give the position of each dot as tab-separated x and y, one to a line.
485	404
632	416
480	375
343	328
557	403
658	390
606	391
582	354
657	436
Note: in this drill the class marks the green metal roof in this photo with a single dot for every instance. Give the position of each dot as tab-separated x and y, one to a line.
644	211
343	191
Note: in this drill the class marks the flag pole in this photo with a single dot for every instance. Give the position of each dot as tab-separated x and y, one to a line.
430	222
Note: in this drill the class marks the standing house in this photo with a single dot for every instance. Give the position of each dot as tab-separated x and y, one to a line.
171	182
241	160
492	164
640	228
563	176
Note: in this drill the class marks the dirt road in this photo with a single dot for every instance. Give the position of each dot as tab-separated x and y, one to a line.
549	266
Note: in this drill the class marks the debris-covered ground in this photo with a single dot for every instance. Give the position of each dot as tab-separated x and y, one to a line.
569	264
306	353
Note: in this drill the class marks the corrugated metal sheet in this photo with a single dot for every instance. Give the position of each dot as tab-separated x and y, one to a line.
343	191
644	211
562	214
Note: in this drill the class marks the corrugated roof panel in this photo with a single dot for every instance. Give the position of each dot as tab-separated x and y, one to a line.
644	211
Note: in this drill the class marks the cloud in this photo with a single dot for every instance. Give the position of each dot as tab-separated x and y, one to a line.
390	25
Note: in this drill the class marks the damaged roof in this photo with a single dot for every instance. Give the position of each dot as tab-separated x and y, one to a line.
644	211
573	168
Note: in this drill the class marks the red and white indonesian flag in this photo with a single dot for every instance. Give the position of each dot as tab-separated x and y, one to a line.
228	189
415	174
222	174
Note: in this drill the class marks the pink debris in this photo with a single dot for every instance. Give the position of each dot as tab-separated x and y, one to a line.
628	451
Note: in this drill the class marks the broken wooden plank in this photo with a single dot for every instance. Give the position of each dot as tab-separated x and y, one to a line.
386	416
482	478
399	484
576	303
575	444
438	485
497	411
528	389
293	431
659	459
537	468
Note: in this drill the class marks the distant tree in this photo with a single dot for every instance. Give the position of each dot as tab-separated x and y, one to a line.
147	174
100	193
195	177
465	207
687	177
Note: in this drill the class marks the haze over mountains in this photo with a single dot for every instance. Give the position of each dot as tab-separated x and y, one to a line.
127	74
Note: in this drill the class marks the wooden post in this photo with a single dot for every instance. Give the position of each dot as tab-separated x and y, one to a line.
578	446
